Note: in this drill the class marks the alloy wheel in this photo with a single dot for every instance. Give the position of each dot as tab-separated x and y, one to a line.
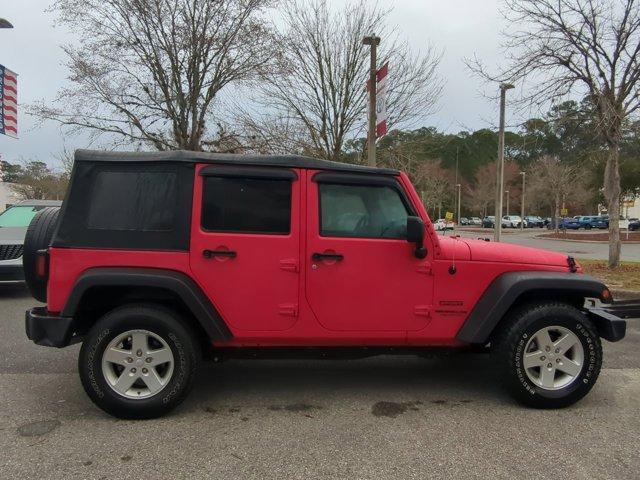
137	364
553	358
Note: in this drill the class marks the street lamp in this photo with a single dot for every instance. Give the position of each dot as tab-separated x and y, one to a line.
522	202
500	166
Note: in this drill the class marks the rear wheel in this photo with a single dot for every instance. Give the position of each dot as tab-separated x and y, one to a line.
550	355
138	361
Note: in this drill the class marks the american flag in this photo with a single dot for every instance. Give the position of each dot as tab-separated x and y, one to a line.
8	102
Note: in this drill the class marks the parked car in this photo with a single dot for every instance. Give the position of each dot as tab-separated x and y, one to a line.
464	221
623	222
534	221
489	221
634	224
160	260
592	221
13	228
442	224
512	221
568	223
477	221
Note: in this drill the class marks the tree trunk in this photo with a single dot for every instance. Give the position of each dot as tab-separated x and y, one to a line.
612	195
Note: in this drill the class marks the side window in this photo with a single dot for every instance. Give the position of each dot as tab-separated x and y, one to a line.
133	201
361	211
246	205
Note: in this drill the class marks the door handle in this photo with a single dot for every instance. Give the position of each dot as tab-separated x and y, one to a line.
327	256
219	253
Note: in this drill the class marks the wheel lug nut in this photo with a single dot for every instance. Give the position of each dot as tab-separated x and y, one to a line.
129	359
543	358
144	370
557	360
549	365
557	350
139	353
148	359
133	370
547	348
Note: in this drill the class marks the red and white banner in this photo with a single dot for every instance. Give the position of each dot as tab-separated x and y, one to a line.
381	100
8	102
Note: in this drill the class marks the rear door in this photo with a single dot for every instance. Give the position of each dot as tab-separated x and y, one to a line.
245	244
362	274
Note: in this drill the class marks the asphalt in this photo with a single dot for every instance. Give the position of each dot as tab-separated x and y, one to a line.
378	418
579	249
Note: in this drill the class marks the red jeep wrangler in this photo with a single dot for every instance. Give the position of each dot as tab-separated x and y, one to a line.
156	260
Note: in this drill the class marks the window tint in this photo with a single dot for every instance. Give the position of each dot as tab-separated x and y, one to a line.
246	205
361	211
136	201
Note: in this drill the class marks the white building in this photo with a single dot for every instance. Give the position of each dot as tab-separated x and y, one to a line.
7	196
631	207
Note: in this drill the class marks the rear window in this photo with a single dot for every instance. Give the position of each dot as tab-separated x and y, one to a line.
142	201
127	205
246	205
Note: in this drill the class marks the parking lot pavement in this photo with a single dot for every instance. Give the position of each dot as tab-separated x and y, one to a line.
385	417
529	238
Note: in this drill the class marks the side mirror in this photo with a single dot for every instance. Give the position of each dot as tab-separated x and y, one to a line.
415	234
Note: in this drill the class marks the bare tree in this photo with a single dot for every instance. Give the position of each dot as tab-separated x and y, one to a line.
320	85
482	192
553	181
151	71
580	46
434	183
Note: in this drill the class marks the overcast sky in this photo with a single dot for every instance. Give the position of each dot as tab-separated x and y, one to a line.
461	28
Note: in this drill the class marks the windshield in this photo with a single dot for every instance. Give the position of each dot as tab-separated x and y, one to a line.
17	216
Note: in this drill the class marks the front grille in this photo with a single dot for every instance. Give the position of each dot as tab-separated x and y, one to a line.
10	252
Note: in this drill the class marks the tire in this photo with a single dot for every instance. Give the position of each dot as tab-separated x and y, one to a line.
160	324
38	237
587	227
520	337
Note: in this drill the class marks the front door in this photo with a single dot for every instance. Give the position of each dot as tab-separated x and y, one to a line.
245	248
363	274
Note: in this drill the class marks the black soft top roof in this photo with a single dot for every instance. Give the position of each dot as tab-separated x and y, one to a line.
291	161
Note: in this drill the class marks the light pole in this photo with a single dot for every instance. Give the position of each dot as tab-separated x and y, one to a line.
506	194
373	42
458	212
500	165
522	202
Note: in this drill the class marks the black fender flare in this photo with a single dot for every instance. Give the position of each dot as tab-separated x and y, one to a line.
505	289
184	287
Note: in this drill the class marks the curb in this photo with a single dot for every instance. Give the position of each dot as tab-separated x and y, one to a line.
625	294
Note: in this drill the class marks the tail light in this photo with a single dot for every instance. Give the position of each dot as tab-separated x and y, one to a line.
42	263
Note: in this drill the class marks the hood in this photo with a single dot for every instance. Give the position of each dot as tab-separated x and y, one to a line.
508	253
12	235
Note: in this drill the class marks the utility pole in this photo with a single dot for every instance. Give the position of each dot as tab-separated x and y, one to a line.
522	202
500	166
458	212
373	42
506	194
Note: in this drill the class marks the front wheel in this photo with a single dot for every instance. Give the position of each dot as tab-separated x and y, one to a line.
550	355
138	361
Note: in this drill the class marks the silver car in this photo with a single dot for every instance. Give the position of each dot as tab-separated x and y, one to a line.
13	227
